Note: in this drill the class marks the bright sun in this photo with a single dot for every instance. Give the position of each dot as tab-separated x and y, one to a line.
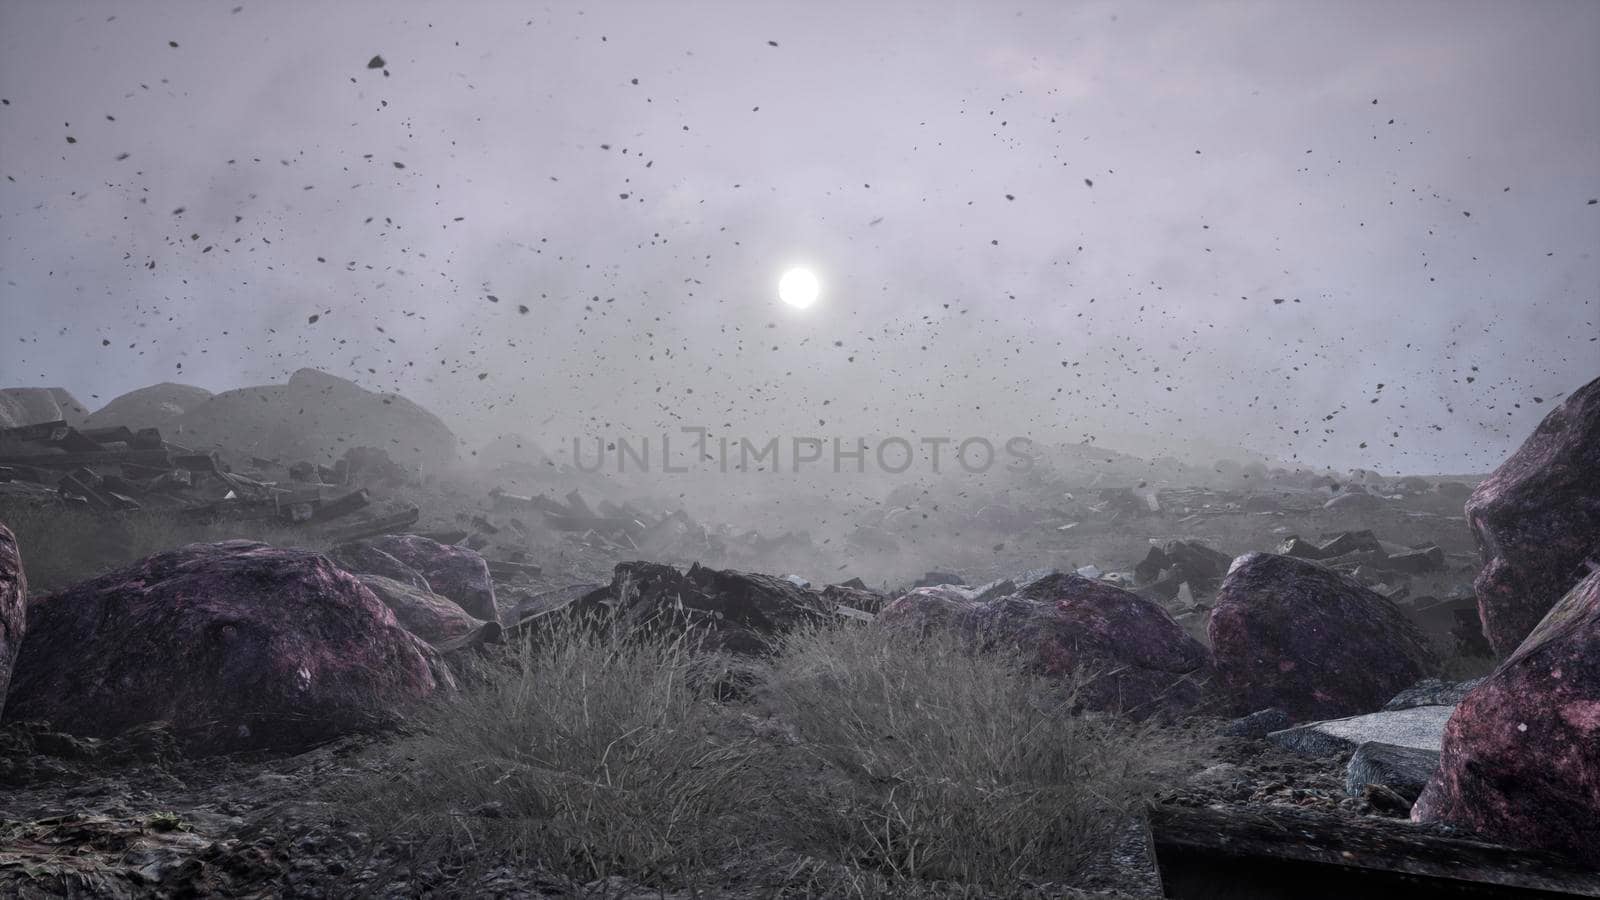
798	287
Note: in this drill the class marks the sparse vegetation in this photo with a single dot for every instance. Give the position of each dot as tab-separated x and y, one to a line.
871	764
592	757
937	764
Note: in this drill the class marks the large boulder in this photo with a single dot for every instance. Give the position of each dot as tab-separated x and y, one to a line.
1293	634
30	406
13	606
1134	657
1520	761
318	416
361	558
740	612
157	406
1537	518
427	615
240	646
459	573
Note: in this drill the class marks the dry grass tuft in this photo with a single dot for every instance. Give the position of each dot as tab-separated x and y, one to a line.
591	757
863	765
932	763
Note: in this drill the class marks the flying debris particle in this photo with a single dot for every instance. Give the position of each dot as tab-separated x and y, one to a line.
1089	182
492	298
399	165
71	139
772	43
312	320
122	156
376	63
1011	197
172	43
1277	301
106	343
482	375
1592	202
522	308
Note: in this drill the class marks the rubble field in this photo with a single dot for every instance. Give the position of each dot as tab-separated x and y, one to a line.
218	663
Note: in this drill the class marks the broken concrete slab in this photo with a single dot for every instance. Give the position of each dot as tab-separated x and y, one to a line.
1404	770
1432	692
1419	727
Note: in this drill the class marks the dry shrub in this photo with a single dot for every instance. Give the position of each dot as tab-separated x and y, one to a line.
591	757
932	763
861	764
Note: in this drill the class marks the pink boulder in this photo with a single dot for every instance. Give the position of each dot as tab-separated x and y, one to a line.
238	645
455	572
1136	659
1537	518
1520	761
422	612
13	606
1291	634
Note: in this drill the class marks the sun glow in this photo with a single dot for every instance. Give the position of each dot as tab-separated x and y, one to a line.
799	288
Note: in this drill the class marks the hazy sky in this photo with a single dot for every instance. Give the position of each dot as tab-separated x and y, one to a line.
1412	181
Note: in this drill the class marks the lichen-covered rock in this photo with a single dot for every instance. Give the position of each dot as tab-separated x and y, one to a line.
1537	518
13	606
459	573
238	645
1520	761
1136	659
1292	634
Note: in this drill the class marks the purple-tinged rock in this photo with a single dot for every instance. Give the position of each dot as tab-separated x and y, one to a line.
1136	658
1520	761
455	572
1537	518
1292	634
238	645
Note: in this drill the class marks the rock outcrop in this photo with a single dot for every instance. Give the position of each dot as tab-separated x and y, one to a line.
238	645
157	406
1537	518
1292	634
1520	761
29	406
317	416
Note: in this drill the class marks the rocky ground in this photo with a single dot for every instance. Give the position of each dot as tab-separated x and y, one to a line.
191	720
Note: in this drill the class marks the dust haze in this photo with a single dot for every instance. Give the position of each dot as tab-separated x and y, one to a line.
1351	235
